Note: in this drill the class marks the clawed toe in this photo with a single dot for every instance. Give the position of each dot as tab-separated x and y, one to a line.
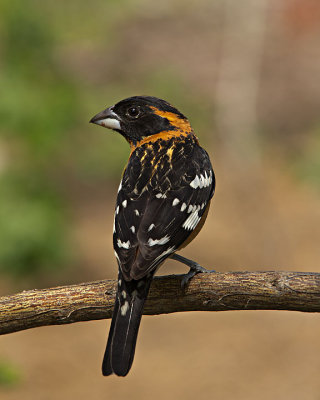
194	270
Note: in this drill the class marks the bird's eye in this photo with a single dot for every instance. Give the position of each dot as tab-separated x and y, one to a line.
133	112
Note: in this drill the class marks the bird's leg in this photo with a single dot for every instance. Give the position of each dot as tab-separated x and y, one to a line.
195	269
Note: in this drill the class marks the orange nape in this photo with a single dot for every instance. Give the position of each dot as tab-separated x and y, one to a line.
183	128
174	119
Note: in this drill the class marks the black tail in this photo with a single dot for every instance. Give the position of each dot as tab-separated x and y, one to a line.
125	324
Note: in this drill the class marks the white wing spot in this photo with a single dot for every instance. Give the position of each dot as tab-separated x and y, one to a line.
137	213
125	245
201	182
117	210
161	196
133	229
195	183
207	181
151	227
124	308
192	221
119	282
164	240
123	294
175	202
124	203
210	178
201	185
183	207
120	187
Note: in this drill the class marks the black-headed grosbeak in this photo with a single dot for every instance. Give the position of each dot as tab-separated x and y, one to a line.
163	200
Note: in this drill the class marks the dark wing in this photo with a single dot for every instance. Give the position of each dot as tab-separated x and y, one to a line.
159	205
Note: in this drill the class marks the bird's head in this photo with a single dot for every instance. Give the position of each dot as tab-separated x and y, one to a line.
139	117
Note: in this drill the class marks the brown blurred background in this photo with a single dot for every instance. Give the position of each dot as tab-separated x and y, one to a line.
246	73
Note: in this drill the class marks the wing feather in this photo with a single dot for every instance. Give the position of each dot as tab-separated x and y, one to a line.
164	206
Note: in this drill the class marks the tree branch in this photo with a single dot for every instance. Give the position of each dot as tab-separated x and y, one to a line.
296	291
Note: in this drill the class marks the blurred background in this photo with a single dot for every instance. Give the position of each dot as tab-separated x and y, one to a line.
247	76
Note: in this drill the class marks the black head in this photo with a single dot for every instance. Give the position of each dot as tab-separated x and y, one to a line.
141	116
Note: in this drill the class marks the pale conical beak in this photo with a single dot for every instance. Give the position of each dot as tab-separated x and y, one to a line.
107	118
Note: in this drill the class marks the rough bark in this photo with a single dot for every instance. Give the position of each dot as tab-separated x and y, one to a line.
296	291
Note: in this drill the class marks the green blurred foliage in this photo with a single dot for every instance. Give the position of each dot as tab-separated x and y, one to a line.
9	375
167	84
61	63
42	111
307	165
40	102
37	107
32	227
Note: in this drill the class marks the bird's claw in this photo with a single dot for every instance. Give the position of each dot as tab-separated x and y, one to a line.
194	270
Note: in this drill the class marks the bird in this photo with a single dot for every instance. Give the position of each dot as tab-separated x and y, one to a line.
162	203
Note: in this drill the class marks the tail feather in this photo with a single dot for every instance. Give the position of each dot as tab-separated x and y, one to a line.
125	324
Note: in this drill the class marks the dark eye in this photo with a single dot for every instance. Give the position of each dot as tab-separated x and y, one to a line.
133	112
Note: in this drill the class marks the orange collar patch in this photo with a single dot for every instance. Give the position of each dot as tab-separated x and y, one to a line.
175	120
165	135
183	128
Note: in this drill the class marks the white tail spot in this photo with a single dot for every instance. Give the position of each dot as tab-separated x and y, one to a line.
124	308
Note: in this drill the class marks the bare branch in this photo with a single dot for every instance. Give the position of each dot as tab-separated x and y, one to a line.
296	291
